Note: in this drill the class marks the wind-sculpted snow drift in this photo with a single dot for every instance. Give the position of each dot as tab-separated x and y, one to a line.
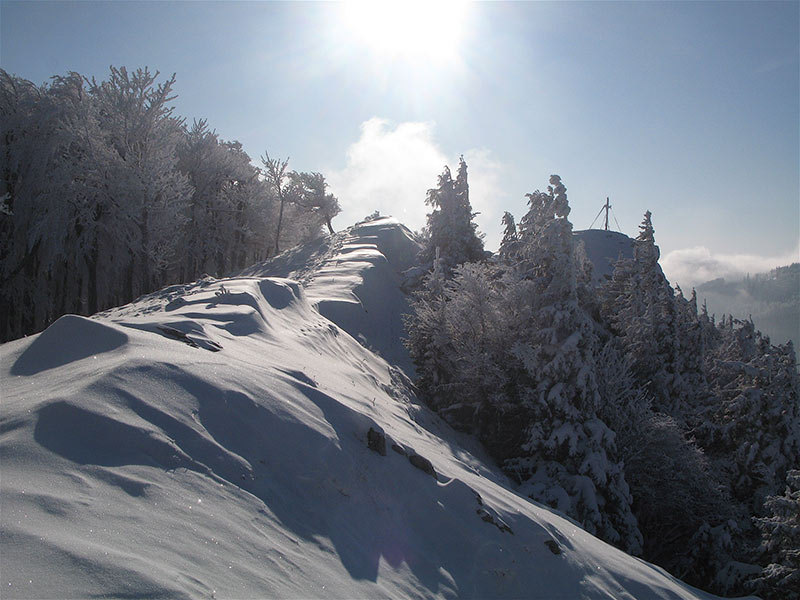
211	440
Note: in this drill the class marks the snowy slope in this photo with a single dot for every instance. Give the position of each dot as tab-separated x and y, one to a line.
356	284
211	440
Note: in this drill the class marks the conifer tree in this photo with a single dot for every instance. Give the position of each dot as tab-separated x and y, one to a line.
700	419
567	458
640	307
450	226
751	424
519	370
780	530
510	241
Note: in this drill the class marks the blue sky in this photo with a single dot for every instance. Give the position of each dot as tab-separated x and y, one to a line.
688	109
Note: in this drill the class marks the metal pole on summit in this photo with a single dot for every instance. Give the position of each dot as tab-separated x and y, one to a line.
607	208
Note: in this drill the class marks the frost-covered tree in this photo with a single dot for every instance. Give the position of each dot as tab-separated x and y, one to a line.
656	329
304	205
668	414
727	388
460	334
218	232
751	423
58	181
567	458
631	304
310	195
33	142
428	340
780	530
711	559
518	371
105	194
277	178
450	226
468	309
667	473
510	241
691	345
253	210
138	123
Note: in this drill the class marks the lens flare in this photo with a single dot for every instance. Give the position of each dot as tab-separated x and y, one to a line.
427	30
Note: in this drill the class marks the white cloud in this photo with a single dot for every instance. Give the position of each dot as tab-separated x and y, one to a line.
692	266
391	167
389	170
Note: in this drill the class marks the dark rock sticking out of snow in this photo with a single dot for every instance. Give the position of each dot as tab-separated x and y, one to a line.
487	517
423	464
553	546
399	449
376	441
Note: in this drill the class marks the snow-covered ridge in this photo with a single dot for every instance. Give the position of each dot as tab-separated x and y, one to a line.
213	440
354	279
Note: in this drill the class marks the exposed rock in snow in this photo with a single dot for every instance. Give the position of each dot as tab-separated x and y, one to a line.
376	441
423	464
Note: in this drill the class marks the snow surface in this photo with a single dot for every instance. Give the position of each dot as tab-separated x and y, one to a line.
210	440
604	249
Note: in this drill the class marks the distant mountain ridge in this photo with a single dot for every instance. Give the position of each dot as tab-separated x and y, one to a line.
771	299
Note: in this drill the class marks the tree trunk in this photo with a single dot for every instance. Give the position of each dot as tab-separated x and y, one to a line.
129	270
280	219
91	266
145	285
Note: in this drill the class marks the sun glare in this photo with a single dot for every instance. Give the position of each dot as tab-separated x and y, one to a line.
428	30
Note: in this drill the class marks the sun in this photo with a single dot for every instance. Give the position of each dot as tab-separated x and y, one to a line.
412	29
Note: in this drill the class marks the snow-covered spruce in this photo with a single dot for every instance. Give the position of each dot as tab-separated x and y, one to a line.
507	353
451	233
610	395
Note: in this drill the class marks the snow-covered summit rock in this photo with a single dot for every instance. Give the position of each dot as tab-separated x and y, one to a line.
213	440
604	249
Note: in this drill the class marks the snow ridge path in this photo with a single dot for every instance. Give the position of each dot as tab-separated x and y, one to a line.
212	440
354	278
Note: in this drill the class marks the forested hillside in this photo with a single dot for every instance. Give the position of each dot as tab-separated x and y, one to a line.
107	194
616	400
771	300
